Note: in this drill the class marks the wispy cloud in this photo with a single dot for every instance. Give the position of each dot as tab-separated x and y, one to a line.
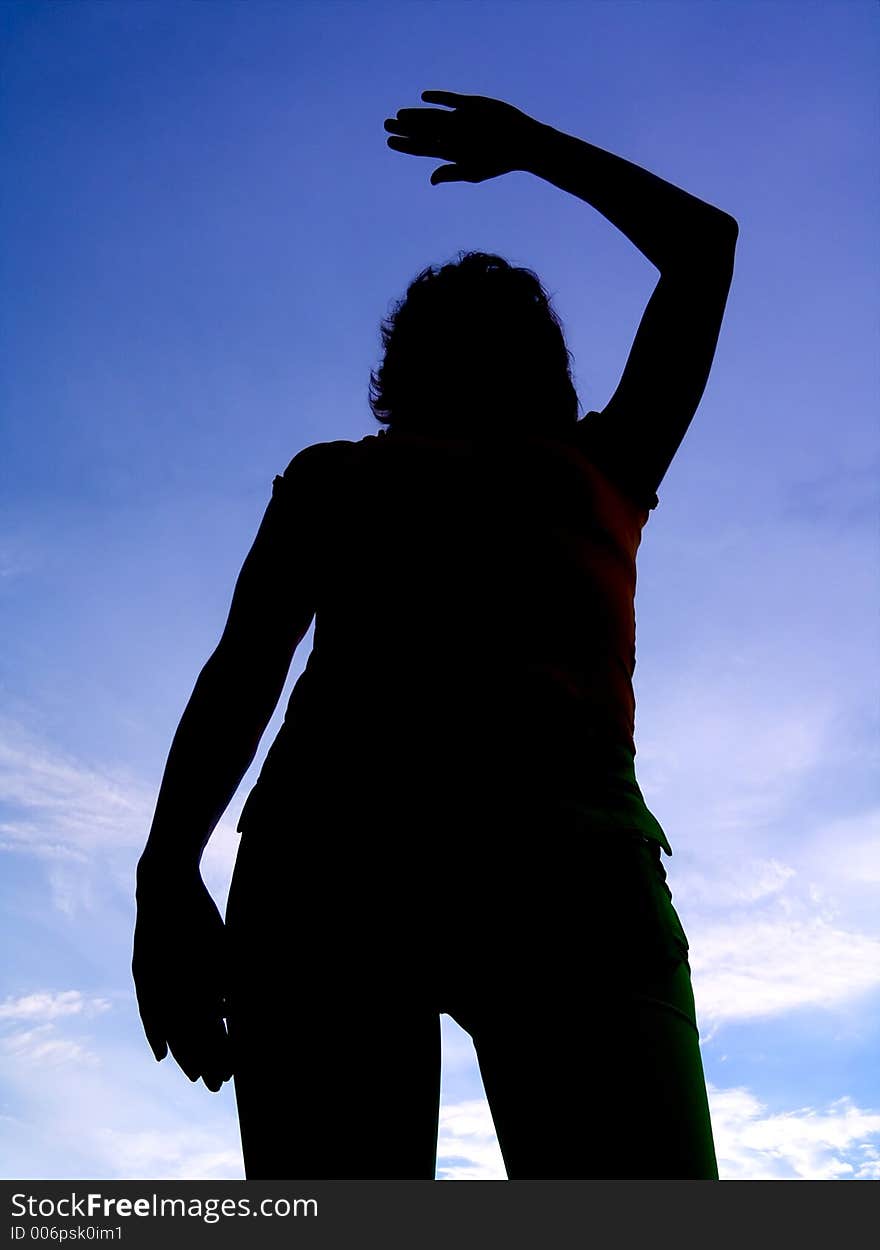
40	1046
754	698
769	917
184	1153
844	852
749	968
45	1005
115	1115
770	937
840	1142
86	824
467	1148
720	762
53	799
88	1107
40	850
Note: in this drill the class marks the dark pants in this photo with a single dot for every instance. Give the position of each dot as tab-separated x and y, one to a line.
560	953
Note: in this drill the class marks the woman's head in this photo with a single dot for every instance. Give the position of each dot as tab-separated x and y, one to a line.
474	346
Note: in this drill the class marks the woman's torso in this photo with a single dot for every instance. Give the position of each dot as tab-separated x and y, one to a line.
474	632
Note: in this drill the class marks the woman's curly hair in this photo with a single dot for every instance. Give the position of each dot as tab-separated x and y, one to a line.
474	345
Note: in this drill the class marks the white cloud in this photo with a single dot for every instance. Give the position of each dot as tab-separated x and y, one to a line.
467	1148
458	1047
728	755
756	679
88	826
843	1141
44	1005
39	1046
56	799
124	1116
769	916
115	1113
840	1142
751	968
40	850
846	850
723	880
767	938
182	1153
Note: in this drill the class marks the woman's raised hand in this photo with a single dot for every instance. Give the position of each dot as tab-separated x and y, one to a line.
481	138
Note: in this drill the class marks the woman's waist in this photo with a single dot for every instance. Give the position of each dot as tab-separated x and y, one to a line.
411	786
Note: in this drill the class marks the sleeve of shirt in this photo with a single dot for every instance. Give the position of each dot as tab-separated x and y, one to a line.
299	496
621	466
276	593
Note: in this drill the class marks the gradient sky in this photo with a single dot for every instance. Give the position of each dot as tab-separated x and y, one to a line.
202	229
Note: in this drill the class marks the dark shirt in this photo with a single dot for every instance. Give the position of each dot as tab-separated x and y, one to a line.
474	627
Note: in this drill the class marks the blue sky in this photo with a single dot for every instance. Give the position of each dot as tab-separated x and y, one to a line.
203	228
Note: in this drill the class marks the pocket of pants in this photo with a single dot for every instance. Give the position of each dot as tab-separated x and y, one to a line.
676	940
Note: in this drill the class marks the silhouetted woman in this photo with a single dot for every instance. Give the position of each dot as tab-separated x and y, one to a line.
449	819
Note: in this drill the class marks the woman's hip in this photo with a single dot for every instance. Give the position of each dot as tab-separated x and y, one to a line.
491	920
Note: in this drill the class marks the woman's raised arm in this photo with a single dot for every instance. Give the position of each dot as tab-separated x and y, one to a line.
483	138
690	242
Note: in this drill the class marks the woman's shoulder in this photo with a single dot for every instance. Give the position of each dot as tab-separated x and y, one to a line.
318	458
617	464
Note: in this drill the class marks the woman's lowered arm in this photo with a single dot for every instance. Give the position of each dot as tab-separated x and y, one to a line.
179	958
215	743
238	688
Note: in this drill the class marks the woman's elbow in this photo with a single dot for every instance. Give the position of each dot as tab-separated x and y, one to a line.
728	227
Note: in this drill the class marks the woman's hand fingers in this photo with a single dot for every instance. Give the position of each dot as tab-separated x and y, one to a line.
450	173
147	977
416	147
197	1037
217	1066
480	138
155	1032
414	119
453	98
200	1045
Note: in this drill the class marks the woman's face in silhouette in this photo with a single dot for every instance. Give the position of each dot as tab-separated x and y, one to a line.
476	349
